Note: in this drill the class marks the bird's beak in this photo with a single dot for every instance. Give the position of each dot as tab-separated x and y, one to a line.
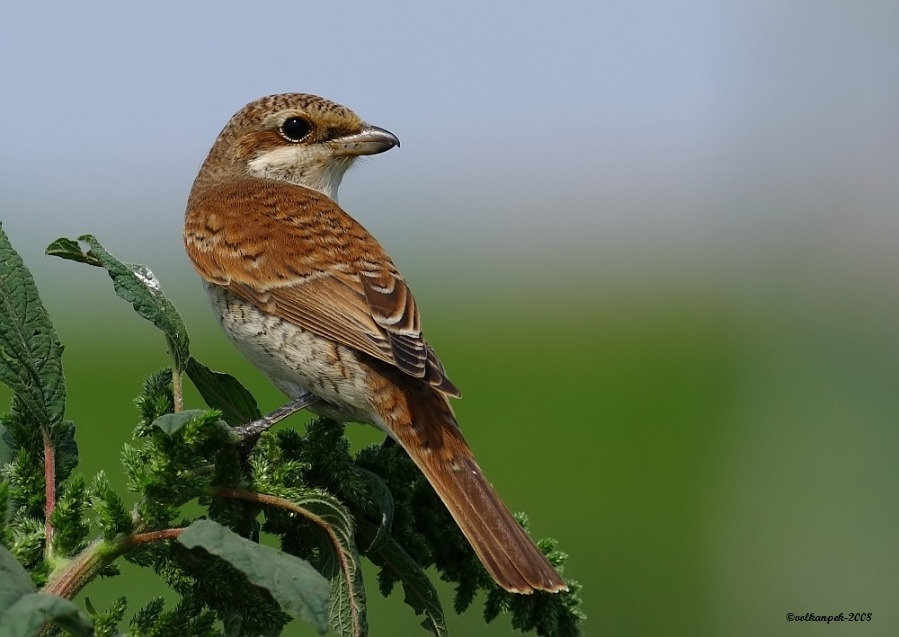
371	140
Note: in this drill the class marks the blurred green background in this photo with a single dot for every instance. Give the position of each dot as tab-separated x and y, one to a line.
654	243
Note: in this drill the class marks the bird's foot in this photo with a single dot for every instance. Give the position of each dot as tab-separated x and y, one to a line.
249	433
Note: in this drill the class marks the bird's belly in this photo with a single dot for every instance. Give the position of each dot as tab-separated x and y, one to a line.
296	360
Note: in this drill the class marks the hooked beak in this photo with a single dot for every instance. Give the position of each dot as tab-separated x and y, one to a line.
371	140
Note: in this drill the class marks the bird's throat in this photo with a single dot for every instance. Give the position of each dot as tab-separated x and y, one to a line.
299	166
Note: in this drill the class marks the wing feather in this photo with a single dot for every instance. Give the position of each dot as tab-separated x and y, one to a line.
295	253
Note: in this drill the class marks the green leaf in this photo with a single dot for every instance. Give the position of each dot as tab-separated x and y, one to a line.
14	581
171	423
30	352
224	392
382	497
71	250
419	592
23	611
137	285
28	615
340	563
293	583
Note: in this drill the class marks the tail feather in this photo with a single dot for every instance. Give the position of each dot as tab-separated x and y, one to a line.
433	441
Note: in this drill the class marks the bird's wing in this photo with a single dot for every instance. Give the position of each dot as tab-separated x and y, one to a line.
294	253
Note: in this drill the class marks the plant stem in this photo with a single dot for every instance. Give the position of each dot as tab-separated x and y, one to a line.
151	536
49	488
79	571
70	580
177	391
287	505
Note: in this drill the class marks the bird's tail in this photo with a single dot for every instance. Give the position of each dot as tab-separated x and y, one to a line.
432	439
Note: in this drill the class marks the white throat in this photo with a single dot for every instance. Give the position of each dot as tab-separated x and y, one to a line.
303	166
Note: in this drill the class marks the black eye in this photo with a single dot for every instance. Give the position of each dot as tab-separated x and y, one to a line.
294	129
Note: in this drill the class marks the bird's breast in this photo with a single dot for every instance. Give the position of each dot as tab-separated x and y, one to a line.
297	360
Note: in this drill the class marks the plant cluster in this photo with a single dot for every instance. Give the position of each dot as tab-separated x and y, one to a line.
305	492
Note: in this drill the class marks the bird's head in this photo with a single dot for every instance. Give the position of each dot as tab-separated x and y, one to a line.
295	137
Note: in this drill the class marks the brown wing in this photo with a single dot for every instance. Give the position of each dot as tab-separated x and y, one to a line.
294	253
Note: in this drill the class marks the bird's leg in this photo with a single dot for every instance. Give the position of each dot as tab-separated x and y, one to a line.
249	433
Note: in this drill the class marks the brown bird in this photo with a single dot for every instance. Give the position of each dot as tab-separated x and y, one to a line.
314	301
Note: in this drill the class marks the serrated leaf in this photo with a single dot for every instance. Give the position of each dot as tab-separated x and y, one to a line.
30	352
137	285
340	563
293	583
418	591
224	392
28	615
347	615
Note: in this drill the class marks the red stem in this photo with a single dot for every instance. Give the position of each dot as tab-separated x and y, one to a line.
93	558
282	503
152	536
50	488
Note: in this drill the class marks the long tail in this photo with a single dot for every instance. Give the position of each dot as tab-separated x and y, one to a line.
432	439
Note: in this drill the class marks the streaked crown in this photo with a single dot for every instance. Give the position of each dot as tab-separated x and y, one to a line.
299	138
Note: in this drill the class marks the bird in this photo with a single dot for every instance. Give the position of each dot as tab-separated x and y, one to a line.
312	299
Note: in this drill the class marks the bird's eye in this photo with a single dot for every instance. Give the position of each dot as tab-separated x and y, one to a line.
294	129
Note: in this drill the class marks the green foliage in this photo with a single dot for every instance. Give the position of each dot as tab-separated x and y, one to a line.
153	621
30	353
293	583
111	515
5	515
24	611
208	506
137	285
106	624
225	392
25	471
69	519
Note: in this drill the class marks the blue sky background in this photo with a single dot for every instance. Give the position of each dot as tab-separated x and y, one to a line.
556	135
